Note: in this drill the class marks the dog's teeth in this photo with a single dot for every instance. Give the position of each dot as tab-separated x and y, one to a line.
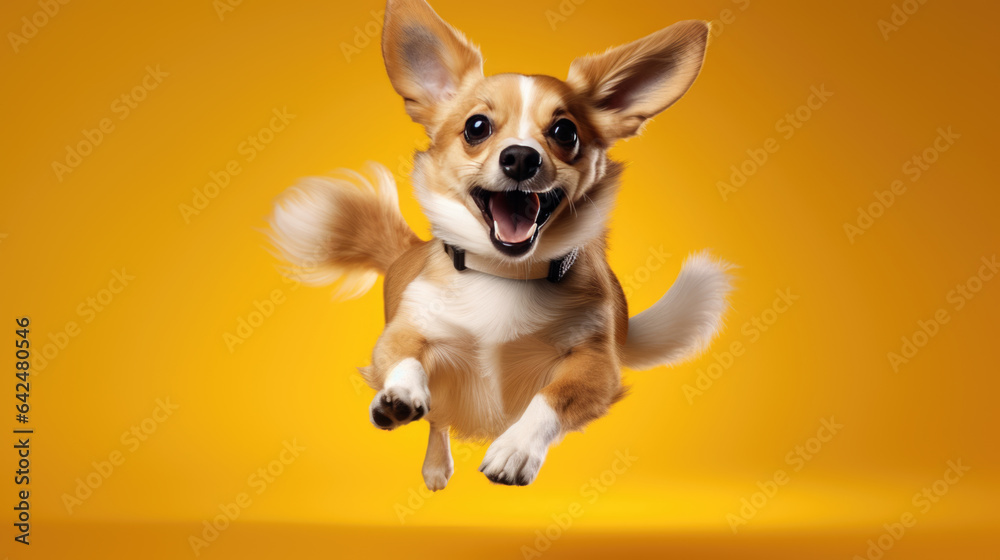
531	231
496	230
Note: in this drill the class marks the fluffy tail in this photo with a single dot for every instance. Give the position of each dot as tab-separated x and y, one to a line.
683	322
340	229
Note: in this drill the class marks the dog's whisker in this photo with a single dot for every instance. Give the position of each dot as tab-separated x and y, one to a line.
594	204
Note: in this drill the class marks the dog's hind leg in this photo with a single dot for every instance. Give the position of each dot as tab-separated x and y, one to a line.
584	385
438	464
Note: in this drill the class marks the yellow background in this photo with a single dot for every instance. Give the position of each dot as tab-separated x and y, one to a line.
162	337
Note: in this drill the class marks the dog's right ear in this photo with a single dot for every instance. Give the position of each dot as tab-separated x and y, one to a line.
427	59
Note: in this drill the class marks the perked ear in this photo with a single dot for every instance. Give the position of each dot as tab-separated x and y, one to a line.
632	83
427	59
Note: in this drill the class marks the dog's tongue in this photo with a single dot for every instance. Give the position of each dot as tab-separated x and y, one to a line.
514	214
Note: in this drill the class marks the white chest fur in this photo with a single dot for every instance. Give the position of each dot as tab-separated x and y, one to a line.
493	310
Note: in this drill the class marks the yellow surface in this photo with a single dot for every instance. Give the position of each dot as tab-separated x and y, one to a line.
198	272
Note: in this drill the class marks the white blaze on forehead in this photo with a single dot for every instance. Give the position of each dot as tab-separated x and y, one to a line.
527	104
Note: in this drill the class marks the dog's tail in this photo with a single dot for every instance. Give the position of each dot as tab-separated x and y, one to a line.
340	229
683	322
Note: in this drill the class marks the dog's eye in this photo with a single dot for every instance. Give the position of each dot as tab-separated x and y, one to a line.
564	132
477	129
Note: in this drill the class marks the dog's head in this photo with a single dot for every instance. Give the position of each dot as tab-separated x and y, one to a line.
517	166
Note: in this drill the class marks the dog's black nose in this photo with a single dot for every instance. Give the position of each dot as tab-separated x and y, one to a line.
520	163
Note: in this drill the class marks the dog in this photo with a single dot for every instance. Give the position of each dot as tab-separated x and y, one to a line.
508	325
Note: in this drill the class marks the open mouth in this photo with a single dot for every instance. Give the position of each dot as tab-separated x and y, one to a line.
515	217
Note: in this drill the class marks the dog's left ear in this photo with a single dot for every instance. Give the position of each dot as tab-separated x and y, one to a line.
632	83
427	60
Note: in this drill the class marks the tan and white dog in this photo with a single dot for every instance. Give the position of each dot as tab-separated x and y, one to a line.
508	325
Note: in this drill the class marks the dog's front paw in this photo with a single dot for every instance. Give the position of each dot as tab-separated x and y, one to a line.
512	462
404	398
395	406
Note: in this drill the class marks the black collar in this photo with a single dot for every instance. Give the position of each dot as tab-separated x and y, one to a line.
554	271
